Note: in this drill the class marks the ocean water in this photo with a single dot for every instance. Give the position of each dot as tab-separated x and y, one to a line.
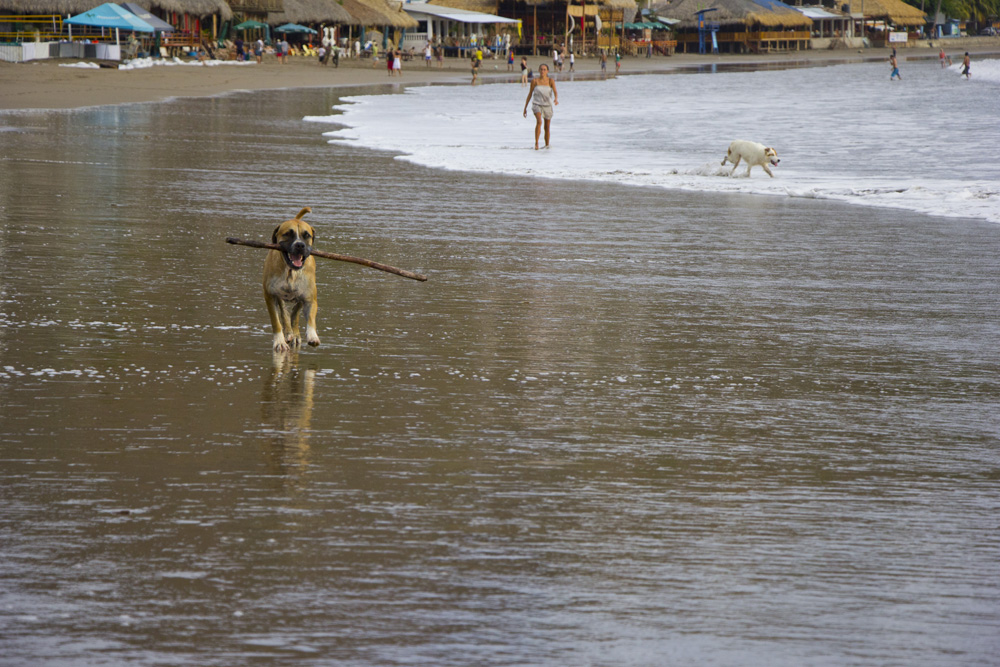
617	426
926	143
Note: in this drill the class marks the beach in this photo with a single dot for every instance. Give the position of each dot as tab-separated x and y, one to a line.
620	424
46	85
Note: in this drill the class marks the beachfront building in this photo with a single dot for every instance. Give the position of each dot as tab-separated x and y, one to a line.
41	22
581	26
832	28
457	29
325	16
889	22
738	26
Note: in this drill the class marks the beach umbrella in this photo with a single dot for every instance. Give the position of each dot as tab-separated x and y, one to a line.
110	15
294	27
249	25
158	24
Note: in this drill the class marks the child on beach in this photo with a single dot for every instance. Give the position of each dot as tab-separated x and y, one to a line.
895	68
524	71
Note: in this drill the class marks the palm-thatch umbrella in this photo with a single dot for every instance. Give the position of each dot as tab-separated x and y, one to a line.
360	13
742	13
311	11
200	8
379	13
895	12
38	7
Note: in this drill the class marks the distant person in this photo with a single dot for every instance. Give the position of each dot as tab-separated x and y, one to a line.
284	48
543	98
479	55
510	60
397	63
941	57
475	69
524	71
389	57
440	55
240	55
895	68
604	62
321	53
572	60
618	61
966	65
427	54
258	50
555	57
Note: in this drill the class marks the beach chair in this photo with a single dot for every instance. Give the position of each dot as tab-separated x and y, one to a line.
309	51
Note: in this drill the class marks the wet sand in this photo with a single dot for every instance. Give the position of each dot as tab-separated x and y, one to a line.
46	85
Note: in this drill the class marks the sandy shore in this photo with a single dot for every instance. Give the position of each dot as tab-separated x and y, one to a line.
47	85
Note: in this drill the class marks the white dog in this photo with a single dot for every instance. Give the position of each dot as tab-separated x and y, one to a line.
753	154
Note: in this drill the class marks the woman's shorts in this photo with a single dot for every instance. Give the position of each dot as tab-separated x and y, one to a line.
545	109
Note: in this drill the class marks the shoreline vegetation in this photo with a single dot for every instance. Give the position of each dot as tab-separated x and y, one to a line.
45	85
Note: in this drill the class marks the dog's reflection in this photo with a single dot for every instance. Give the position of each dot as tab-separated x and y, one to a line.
286	406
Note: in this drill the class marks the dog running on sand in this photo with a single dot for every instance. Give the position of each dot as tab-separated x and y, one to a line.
290	283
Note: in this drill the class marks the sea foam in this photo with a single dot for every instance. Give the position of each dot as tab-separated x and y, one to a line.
843	133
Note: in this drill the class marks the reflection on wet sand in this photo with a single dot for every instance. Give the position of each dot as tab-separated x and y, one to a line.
286	406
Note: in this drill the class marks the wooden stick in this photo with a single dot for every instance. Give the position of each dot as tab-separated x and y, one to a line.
332	255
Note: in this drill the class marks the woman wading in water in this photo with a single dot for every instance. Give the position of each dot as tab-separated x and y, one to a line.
543	98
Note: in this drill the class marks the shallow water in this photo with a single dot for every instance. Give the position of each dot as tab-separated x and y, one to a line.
843	132
616	426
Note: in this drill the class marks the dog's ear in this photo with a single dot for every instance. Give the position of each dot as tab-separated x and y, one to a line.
303	212
274	236
312	232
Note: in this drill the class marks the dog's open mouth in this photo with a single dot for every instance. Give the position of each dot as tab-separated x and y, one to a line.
293	260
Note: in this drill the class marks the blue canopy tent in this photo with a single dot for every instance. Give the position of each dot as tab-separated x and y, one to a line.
110	15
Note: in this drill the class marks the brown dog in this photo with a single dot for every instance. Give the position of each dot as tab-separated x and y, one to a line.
290	283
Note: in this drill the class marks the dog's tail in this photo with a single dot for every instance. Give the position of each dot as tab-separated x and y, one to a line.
303	212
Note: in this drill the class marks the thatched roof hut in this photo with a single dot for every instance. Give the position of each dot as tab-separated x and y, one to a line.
610	4
378	13
192	7
481	6
895	12
310	11
766	13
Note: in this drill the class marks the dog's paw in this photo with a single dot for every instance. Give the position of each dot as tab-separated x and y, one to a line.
279	343
313	342
294	341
